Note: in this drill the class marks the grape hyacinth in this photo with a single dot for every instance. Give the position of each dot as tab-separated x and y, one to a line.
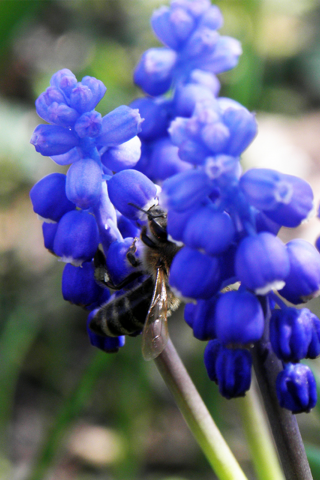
225	221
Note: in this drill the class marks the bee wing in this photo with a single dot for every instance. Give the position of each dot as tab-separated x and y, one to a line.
155	333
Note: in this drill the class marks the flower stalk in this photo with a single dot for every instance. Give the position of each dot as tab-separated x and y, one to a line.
283	423
197	416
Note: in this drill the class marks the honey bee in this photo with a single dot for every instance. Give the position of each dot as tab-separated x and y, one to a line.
148	302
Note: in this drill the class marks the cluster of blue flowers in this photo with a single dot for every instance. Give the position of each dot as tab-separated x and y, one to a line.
226	222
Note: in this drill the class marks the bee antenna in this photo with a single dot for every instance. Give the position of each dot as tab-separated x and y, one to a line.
138	208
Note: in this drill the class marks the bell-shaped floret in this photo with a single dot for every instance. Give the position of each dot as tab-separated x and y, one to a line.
302	283
291	333
85	96
200	317
262	263
154	72
49	232
122	156
53	140
51	106
185	190
239	318
130	191
296	388
211	353
84	179
314	345
229	368
48	197
117	262
104	343
195	275
209	230
285	199
119	126
79	285
77	238
156	115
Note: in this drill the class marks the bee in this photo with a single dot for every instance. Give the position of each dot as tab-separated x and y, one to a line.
148	302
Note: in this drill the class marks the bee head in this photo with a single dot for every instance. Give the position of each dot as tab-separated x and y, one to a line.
157	221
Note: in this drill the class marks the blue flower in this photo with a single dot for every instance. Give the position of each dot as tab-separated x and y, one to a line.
79	136
239	319
49	199
291	333
77	237
302	283
229	368
189	29
270	271
296	388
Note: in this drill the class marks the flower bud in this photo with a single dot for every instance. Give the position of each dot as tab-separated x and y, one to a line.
296	388
119	126
52	140
89	124
172	26
85	96
229	368
154	72
51	106
65	80
291	333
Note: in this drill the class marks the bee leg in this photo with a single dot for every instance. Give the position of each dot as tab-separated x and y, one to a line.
147	241
103	278
132	259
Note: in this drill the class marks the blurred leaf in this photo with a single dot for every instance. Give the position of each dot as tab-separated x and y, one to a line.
313	454
13	12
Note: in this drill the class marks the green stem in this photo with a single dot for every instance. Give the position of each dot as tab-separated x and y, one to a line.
197	416
257	431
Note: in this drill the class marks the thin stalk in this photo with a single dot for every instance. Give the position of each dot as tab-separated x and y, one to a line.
258	436
197	416
283	423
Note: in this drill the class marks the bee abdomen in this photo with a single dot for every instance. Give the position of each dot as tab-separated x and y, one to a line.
125	315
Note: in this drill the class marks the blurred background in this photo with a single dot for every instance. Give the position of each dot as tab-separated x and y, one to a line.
68	411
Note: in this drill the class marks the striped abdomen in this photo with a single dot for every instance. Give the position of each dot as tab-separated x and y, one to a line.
125	315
